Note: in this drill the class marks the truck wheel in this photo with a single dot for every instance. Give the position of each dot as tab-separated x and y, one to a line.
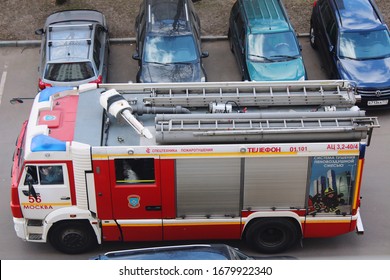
272	235
72	237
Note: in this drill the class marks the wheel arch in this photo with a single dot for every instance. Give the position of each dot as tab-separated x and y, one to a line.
69	215
295	218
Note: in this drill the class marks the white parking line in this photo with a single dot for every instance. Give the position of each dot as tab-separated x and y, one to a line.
2	84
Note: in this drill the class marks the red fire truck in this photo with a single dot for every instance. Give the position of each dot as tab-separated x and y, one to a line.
269	163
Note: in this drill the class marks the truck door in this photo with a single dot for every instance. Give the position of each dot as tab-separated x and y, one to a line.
42	189
136	198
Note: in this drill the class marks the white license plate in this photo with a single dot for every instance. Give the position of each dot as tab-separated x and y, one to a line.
377	102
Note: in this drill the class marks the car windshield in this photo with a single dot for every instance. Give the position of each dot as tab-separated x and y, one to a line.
69	72
365	44
272	46
170	49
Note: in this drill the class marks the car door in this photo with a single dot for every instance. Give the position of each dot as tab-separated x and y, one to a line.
140	26
327	38
100	51
238	41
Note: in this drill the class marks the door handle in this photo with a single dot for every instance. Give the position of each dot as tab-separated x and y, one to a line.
65	198
153	208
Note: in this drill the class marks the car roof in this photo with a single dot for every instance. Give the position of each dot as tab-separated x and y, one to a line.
69	42
178	252
163	13
265	16
69	34
357	14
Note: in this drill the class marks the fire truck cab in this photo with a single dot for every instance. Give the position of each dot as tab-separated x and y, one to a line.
269	163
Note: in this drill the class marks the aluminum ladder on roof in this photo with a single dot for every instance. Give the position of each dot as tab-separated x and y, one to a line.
267	127
319	93
340	124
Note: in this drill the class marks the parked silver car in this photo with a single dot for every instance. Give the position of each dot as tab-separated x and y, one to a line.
74	49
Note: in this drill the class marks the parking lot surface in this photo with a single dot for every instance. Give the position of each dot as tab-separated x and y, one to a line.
19	77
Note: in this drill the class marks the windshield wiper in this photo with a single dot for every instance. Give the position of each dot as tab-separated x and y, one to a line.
263	57
169	63
285	56
159	63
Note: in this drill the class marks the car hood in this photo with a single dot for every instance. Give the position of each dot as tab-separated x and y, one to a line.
276	71
367	73
175	73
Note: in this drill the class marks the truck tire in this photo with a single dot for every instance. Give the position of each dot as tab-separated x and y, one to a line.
272	236
72	237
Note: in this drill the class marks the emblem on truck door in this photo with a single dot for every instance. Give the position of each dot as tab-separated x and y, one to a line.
133	201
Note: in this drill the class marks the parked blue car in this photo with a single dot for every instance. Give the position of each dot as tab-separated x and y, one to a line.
264	42
178	252
354	43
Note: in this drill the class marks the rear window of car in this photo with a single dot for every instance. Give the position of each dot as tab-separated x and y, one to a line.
69	72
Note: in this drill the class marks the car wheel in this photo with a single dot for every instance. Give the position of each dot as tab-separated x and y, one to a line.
313	42
72	237
272	235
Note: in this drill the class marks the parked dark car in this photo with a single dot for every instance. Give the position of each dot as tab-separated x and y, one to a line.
178	252
354	43
168	44
264	42
74	49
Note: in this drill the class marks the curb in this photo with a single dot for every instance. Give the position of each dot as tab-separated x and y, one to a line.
37	43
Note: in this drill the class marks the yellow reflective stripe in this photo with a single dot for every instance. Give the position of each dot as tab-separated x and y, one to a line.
357	184
235	154
47	204
348	152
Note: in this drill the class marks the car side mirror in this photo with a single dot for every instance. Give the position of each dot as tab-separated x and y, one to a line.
136	56
39	31
331	48
205	54
103	29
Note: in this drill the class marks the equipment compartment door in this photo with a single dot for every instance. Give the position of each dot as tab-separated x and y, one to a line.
136	198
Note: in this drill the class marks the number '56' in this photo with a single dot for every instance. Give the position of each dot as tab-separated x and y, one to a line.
31	199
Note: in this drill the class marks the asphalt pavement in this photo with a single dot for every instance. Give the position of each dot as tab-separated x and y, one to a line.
19	76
